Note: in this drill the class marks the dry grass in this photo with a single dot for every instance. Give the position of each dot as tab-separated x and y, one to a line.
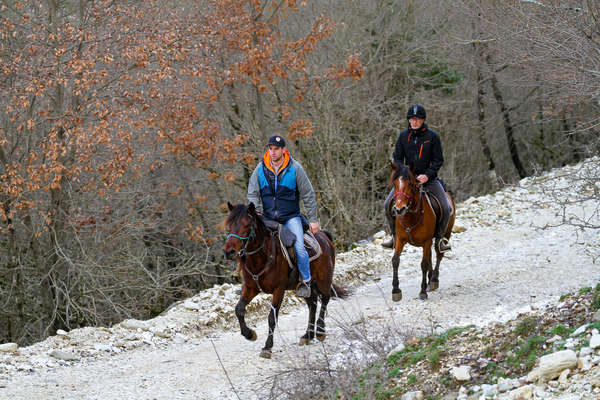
507	350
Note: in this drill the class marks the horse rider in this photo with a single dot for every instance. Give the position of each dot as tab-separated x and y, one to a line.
421	146
276	187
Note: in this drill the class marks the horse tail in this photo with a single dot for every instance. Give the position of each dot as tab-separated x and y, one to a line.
339	292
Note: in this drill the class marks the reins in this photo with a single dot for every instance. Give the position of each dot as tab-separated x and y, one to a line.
243	253
255	277
408	230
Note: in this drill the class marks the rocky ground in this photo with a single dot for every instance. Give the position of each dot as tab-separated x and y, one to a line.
503	264
549	353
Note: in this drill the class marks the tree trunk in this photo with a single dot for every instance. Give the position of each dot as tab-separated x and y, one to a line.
576	154
508	128
487	153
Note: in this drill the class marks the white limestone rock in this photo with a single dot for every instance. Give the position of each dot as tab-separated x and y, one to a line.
396	349
506	384
595	341
522	393
551	365
63	355
134	324
418	395
8	348
461	373
579	330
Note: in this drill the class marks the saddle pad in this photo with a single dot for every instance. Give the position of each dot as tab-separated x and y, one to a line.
434	202
312	246
310	243
286	236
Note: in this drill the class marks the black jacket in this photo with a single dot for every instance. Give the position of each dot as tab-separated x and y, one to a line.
422	147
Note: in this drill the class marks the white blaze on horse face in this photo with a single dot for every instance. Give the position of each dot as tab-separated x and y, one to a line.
401	199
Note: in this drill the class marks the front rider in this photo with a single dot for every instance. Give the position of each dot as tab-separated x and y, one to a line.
276	187
421	146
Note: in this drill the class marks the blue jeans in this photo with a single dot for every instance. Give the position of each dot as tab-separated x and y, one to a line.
295	225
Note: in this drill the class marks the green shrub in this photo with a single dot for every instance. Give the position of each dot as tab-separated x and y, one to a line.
561	330
585	290
412	379
525	327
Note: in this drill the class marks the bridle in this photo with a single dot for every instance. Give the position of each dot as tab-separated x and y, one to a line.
409	209
245	241
398	194
244	252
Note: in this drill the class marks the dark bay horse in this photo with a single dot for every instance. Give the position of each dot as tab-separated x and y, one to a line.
415	224
265	269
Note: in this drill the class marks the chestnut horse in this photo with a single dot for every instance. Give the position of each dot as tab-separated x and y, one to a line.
415	224
265	269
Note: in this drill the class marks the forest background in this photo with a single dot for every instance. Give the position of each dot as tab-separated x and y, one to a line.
126	126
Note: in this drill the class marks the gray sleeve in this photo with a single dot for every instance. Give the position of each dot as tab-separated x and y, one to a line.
254	190
307	193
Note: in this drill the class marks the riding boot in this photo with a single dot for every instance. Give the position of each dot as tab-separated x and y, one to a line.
441	243
303	289
436	188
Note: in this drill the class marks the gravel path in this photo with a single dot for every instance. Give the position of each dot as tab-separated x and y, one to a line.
501	265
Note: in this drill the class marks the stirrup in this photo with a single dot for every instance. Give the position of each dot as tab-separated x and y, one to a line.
388	244
303	289
442	245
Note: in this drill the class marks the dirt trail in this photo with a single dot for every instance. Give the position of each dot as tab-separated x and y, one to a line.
500	266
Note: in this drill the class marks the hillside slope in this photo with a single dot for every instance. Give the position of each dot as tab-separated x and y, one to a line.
501	265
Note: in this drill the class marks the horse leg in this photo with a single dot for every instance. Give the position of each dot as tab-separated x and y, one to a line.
396	292
434	280
434	277
240	312
276	300
321	321
311	302
425	269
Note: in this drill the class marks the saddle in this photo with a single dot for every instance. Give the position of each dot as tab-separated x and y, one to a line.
436	206
287	239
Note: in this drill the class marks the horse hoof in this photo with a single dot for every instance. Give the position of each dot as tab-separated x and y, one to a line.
304	341
422	296
321	337
265	353
253	336
432	286
397	296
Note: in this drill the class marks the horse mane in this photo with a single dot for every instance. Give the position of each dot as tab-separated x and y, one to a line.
402	171
239	211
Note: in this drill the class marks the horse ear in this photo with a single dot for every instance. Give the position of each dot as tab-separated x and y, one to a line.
229	206
394	166
251	209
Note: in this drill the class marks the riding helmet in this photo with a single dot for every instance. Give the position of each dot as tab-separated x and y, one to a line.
416	110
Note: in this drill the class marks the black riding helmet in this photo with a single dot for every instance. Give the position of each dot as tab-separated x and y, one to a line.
416	111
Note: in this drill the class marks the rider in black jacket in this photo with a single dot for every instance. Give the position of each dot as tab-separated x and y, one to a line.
421	146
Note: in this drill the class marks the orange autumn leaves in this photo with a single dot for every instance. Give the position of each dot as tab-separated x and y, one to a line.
96	98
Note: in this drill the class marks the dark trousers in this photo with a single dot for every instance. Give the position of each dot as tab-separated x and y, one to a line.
437	190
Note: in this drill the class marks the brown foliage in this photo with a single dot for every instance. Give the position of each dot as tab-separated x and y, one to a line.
122	106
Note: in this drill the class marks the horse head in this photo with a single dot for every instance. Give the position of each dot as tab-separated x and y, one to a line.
241	224
405	189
